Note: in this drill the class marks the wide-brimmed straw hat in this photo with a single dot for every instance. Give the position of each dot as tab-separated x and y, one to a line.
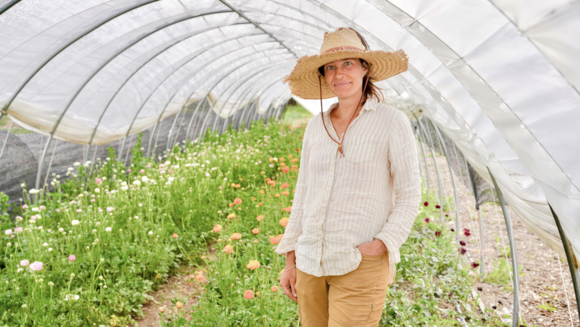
342	44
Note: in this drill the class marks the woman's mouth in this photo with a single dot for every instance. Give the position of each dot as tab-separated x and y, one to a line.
342	84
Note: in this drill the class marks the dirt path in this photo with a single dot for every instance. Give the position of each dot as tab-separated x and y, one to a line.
544	281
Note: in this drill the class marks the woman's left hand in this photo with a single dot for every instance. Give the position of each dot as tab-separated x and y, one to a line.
376	247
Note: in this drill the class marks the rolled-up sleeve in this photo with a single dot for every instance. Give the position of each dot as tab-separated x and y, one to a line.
406	177
294	227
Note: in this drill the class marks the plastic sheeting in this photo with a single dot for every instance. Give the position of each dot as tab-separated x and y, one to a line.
501	78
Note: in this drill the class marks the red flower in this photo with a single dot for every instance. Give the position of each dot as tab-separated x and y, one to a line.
438	233
426	203
462	250
437	206
427	220
474	264
462	243
466	232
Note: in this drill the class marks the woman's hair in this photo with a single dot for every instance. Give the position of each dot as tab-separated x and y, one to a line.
372	90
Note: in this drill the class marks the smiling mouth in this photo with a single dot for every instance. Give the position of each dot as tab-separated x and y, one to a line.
342	84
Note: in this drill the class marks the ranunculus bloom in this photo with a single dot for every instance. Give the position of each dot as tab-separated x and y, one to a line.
289	209
274	240
253	264
261	191
426	203
24	206
24	263
284	221
36	266
18	229
174	235
237	201
260	217
231	204
462	250
42	208
466	232
108	229
236	236
249	294
217	228
75	222
199	277
110	209
228	249
79	210
231	216
285	193
285	169
277	195
255	231
8	232
71	258
284	185
274	289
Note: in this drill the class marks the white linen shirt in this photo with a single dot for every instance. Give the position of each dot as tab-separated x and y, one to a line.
373	192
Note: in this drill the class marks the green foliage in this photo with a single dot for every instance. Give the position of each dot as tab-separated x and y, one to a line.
501	274
295	112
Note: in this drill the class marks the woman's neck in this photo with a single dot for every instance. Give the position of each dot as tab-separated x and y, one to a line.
347	106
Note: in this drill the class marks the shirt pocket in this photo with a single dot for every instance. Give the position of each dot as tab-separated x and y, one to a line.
361	148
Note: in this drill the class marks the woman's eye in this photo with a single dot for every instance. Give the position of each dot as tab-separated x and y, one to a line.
329	67
348	63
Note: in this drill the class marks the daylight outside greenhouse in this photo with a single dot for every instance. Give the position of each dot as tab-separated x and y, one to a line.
150	152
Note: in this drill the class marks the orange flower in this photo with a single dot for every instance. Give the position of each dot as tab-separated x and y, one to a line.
274	240
294	168
260	204
260	217
217	228
274	289
290	156
237	185
285	193
236	236
294	160
261	191
273	183
285	170
228	249
285	185
268	179
174	235
282	159
289	209
249	294
199	277
231	216
241	179
231	204
179	305
255	231
256	241
253	264
277	195
284	222
262	173
237	201
233	185
271	159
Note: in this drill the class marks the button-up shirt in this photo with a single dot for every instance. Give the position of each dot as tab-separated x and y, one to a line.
373	192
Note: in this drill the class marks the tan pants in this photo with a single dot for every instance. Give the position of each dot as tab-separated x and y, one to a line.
353	299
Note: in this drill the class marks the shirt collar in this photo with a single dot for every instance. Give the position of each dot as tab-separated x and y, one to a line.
370	105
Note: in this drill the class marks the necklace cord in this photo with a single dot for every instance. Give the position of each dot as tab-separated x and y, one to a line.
355	111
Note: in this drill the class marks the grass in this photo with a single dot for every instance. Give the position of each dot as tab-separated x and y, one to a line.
295	113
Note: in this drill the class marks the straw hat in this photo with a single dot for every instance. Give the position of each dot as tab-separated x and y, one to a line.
342	44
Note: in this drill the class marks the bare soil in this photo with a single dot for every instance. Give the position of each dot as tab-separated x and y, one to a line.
544	277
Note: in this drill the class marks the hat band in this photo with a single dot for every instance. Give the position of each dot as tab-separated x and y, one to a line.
343	48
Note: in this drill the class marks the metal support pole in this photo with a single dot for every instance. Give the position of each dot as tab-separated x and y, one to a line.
570	257
480	217
421	142
429	143
151	139
444	147
39	173
515	271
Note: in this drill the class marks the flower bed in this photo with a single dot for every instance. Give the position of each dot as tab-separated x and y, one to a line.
91	251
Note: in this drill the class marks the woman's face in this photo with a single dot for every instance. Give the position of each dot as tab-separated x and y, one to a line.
344	77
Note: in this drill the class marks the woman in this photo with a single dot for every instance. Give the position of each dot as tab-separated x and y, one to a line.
357	193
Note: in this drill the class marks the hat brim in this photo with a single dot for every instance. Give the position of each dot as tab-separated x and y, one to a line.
303	80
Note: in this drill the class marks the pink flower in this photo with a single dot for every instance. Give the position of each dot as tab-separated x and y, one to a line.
228	249
24	207
217	228
274	289
109	209
24	263
438	233
249	294
42	208
100	210
427	220
255	231
170	171
79	210
98	181
149	165
236	236
142	171
174	235
57	210
71	258
18	229
219	187
129	170
93	200
36	266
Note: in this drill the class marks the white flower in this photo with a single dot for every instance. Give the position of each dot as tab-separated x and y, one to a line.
35	209
124	188
45	244
8	232
73	297
33	191
206	174
108	229
49	249
145	179
170	179
137	182
61	230
97	190
150	232
140	205
76	164
75	222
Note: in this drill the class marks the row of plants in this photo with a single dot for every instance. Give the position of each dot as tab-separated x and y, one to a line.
91	251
